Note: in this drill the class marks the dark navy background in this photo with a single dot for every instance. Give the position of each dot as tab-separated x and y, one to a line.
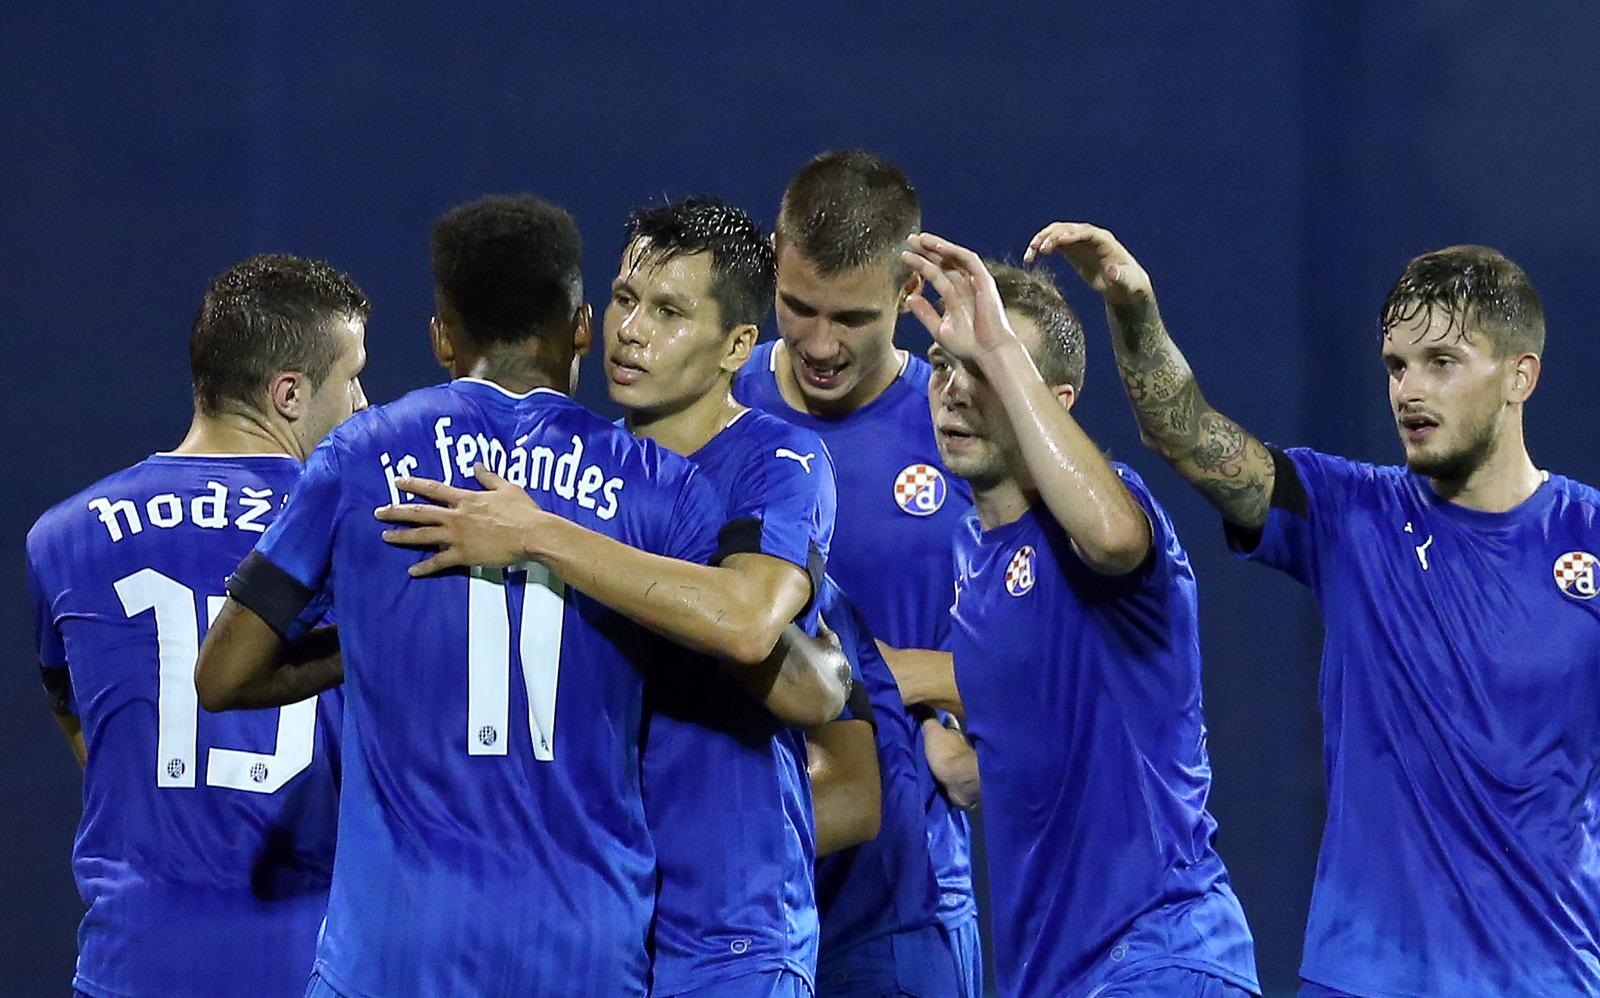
1273	163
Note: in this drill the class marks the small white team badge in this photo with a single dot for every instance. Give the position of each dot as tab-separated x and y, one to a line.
1019	574
919	489
1575	574
804	460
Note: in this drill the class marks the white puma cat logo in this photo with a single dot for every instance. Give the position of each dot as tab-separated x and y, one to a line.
804	461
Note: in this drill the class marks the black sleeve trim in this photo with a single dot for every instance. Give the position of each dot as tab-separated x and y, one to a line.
1288	491
741	536
270	593
58	684
817	568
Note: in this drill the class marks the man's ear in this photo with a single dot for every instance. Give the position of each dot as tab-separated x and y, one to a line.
741	340
289	392
582	329
1525	377
912	285
444	351
1066	395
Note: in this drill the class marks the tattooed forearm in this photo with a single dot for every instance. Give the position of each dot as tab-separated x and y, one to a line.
1228	465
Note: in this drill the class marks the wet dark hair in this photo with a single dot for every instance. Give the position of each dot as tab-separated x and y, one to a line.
848	208
1472	284
743	274
510	266
1060	354
272	313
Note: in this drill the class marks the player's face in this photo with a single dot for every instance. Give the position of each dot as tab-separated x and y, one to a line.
340	394
1448	392
975	437
665	343
838	330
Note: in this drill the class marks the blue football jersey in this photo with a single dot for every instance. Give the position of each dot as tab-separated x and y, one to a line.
886	885
492	832
1460	696
899	509
206	843
1083	698
727	797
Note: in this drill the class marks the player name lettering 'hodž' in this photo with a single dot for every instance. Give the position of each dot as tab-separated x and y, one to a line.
210	509
534	468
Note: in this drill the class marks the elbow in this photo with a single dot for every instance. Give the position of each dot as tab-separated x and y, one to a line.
1121	547
749	636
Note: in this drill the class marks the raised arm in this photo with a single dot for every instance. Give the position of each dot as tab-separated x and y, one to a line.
1219	457
736	612
1082	491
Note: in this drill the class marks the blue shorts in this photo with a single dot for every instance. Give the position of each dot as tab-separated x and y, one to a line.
917	963
967	947
771	984
1171	982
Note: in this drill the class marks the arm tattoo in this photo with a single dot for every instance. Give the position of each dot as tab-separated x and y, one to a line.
1229	466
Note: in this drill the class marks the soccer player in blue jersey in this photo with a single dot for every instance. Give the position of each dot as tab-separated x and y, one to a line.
835	371
492	828
726	794
1077	657
1461	667
206	843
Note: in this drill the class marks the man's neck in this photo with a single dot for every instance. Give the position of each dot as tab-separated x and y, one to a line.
1006	501
1502	482
859	396
690	428
517	371
237	433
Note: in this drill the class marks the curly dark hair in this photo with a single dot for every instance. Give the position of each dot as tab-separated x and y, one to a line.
510	266
274	312
848	208
743	275
1475	284
1060	356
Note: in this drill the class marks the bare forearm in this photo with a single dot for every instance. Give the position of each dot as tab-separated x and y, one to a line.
846	788
697	606
1219	457
1076	482
242	669
804	682
924	677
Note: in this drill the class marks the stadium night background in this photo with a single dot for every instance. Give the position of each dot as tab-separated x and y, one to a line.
1272	164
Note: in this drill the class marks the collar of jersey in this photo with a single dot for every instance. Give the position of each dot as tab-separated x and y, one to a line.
1529	508
221	457
507	392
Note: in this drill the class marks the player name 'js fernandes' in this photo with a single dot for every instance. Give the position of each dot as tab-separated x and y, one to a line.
534	468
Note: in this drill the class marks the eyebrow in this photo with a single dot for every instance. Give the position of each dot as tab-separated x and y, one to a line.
850	316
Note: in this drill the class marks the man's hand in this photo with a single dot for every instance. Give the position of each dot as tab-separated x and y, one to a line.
487	527
1102	262
973	325
953	763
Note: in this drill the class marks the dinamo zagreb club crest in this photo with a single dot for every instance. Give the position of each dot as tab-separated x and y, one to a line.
1575	574
1019	574
920	489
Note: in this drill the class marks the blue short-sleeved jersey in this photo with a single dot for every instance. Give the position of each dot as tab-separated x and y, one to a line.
726	793
1083	697
1460	698
206	843
899	509
492	832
